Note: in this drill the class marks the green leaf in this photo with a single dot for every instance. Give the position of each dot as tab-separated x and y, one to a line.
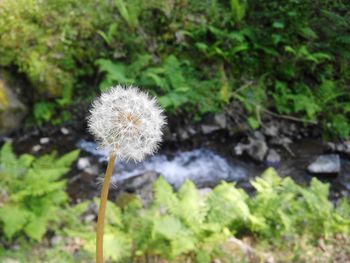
173	71
36	228
191	208
253	122
267	182
67	159
162	227
117	245
9	163
226	204
164	195
307	32
115	72
341	125
278	25
43	111
238	8
14	218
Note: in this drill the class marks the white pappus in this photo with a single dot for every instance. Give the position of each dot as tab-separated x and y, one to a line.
127	122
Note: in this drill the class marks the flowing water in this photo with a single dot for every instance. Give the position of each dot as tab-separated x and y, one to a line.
202	166
207	167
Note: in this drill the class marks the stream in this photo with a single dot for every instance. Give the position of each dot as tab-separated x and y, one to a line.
207	167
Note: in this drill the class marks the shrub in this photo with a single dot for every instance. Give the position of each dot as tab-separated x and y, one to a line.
32	192
187	225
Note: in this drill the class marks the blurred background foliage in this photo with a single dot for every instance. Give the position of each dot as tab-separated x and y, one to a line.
196	56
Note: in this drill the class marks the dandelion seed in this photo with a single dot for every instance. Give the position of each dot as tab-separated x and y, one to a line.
128	123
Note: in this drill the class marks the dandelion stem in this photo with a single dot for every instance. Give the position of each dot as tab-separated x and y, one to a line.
102	209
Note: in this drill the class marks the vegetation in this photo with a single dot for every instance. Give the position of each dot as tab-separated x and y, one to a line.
32	192
201	226
282	217
291	59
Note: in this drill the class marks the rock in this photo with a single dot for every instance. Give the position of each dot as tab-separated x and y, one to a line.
207	129
257	149
343	147
44	140
12	110
89	218
64	131
340	147
331	146
220	119
137	182
258	136
271	130
183	134
239	149
56	240
93	170
191	130
93	208
36	148
284	141
273	158
325	164
83	162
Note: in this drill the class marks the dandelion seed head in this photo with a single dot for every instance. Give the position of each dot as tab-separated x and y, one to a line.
127	122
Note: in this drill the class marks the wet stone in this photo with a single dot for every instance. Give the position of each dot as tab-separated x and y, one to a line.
207	129
273	158
271	130
220	119
36	148
183	134
44	140
325	164
64	131
83	163
257	150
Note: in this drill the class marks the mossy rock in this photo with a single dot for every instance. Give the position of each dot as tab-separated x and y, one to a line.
12	110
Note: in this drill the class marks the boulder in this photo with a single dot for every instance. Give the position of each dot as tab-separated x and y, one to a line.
12	110
343	147
325	164
220	119
256	149
273	158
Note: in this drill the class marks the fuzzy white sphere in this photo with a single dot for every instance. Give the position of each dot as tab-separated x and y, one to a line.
127	122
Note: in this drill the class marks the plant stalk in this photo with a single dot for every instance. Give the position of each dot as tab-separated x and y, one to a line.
102	209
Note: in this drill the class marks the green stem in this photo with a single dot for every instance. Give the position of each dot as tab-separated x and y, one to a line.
102	209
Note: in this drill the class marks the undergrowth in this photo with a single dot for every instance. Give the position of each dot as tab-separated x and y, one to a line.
32	192
290	59
287	220
187	225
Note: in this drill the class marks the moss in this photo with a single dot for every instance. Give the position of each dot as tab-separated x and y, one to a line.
4	102
49	41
